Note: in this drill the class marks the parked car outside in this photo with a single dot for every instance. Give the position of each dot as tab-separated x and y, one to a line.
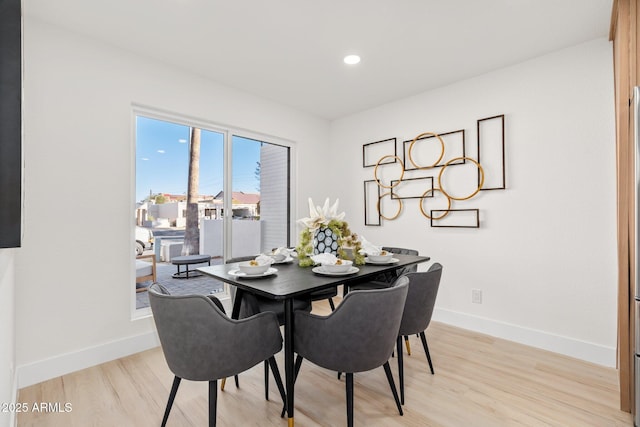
144	239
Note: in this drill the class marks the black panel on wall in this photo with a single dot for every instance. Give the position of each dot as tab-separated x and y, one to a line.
10	123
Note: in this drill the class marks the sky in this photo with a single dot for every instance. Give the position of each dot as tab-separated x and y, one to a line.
162	160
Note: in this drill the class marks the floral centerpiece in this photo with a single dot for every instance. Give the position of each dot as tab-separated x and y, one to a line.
325	231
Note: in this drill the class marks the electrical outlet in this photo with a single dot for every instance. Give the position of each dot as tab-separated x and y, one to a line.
476	296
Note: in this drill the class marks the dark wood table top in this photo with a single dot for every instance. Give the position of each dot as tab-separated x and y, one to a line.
292	280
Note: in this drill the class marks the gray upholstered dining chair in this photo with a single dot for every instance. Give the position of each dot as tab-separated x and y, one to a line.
358	336
418	309
195	335
386	279
252	304
256	304
325	294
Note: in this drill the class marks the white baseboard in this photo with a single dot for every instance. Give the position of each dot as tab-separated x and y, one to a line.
594	353
43	370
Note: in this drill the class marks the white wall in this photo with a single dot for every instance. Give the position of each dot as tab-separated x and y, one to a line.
8	385
74	273
273	197
245	239
545	255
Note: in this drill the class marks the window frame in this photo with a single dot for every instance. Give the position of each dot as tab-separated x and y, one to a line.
228	133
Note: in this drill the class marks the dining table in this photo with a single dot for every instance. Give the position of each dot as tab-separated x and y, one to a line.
286	281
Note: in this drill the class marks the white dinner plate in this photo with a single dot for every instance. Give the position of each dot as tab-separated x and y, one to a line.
320	270
287	260
239	273
391	261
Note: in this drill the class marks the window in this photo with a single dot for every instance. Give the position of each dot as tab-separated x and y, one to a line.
245	174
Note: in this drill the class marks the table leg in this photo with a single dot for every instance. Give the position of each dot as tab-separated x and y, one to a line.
288	356
235	311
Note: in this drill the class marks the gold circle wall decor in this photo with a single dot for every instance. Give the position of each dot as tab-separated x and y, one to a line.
413	143
425	195
480	170
389	193
375	172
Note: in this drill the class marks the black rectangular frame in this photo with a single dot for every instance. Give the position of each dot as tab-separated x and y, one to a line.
395	152
504	179
365	203
393	181
434	212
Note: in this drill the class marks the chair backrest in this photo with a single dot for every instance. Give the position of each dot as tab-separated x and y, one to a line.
241	258
359	335
403	251
391	276
250	304
201	343
421	298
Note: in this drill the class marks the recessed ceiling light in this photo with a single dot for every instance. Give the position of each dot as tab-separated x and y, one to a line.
351	59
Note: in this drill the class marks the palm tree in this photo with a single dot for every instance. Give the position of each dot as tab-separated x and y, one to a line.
191	244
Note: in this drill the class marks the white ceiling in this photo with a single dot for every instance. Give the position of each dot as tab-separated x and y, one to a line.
291	51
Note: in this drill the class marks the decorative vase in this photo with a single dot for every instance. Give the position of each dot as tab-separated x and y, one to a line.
325	241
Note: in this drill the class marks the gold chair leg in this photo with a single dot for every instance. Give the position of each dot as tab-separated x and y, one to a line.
406	342
222	383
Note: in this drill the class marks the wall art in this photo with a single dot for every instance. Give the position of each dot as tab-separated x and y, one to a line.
436	170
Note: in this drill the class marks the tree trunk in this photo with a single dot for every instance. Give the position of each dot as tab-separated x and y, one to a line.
192	233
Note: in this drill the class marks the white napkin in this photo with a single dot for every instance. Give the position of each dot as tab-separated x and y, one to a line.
324	259
282	251
369	248
264	260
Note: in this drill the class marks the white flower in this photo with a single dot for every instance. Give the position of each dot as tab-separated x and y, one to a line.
321	216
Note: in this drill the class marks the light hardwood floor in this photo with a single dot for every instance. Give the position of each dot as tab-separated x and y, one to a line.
479	381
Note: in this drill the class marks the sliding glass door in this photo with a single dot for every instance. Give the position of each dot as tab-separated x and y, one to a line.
208	190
